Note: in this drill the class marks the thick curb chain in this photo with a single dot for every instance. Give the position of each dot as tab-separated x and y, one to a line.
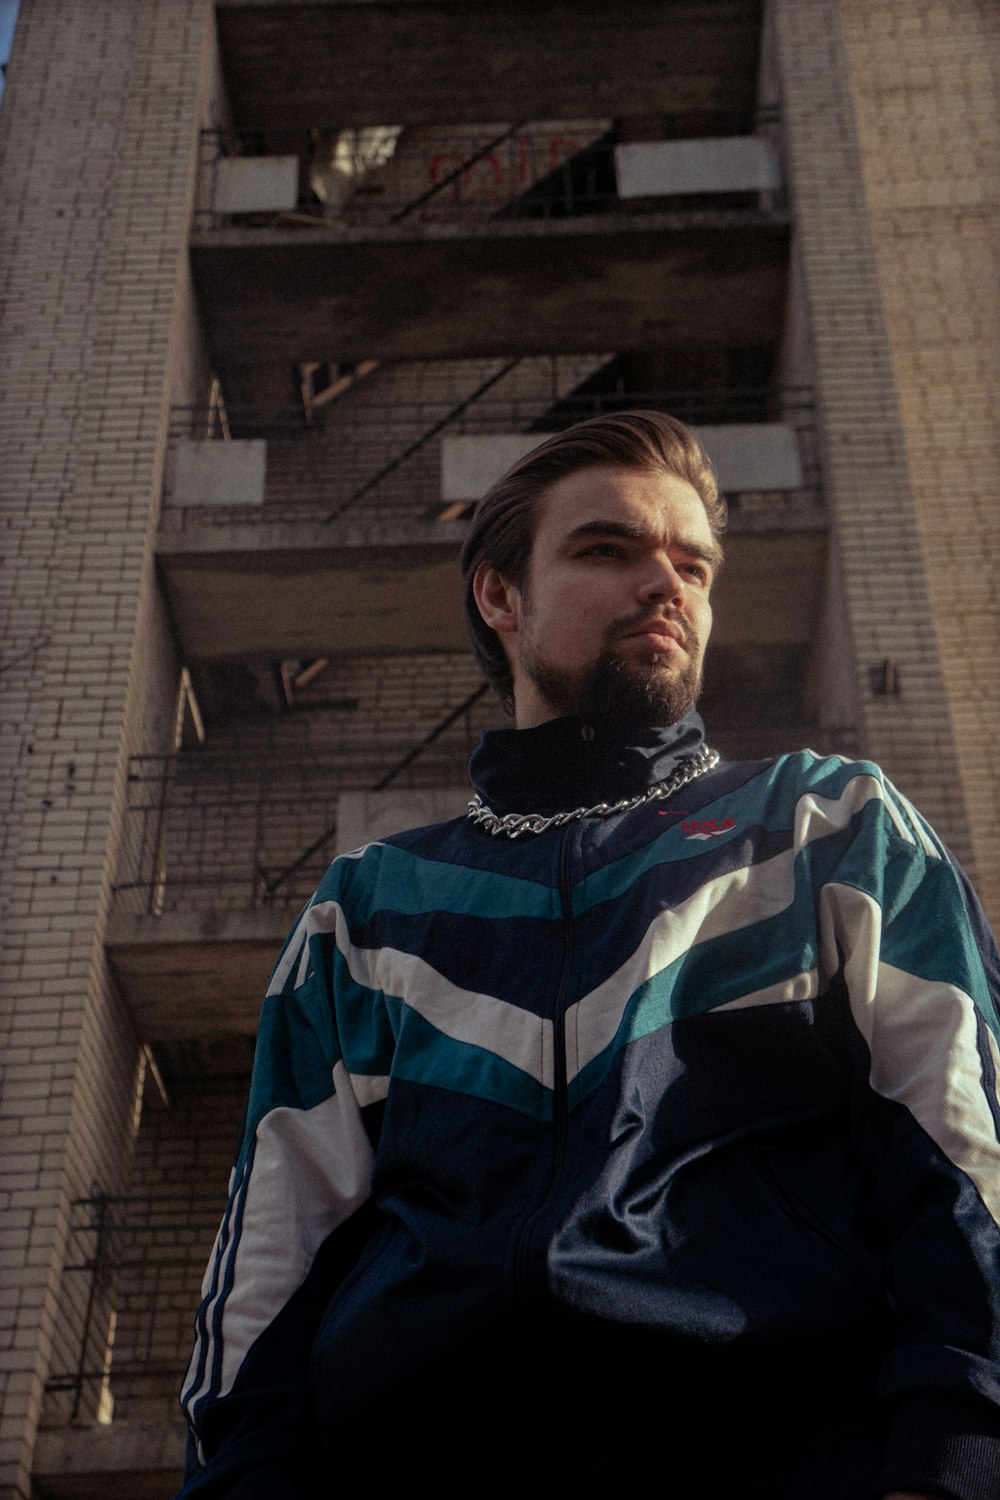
514	824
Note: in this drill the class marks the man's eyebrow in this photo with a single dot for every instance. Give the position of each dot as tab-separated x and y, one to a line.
634	531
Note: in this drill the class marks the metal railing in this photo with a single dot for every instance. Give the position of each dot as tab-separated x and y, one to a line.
239	833
376	459
388	175
141	1260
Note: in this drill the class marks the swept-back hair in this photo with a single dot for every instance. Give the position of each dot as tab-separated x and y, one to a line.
503	526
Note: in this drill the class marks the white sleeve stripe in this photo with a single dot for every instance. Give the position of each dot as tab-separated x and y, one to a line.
900	823
923	1040
931	846
311	1169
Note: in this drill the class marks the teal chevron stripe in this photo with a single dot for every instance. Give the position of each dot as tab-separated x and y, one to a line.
425	1055
296	1050
926	934
778	790
921	937
391	879
709	975
367	1020
924	928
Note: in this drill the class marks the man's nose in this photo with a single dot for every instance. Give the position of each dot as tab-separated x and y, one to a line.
661	581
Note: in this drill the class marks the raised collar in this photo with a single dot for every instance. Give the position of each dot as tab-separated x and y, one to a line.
564	764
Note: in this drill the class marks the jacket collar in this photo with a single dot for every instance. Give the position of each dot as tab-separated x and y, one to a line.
564	763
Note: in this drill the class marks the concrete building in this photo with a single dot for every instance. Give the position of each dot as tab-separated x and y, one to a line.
283	282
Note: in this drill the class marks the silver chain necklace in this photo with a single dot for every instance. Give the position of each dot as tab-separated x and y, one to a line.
514	824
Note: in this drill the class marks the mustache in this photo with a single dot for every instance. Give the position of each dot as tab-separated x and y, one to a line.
624	626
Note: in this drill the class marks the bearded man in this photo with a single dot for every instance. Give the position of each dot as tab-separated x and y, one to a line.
639	1129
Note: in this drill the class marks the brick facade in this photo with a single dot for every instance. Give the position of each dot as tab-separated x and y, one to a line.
925	79
93	269
868	486
889	140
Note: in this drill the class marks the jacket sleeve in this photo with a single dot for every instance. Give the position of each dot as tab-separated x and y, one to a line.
297	1218
902	930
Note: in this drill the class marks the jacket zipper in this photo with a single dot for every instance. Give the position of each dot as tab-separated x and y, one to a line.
560	1109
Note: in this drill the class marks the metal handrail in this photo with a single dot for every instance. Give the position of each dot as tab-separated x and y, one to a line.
222	784
536	168
107	1217
432	432
505	413
380	786
376	457
458	172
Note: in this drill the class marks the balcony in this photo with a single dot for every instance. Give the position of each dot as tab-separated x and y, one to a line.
377	241
380	177
351	542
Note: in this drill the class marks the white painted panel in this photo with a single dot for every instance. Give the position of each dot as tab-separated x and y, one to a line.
363	817
469	465
746	456
255	184
753	455
215	473
728	164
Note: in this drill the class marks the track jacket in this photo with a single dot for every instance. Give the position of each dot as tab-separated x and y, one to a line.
665	1137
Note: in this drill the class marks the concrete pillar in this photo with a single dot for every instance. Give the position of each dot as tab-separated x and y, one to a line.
883	570
924	80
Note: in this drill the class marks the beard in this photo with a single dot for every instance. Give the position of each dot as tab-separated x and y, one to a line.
642	693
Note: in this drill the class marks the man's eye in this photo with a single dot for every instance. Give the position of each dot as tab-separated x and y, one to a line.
604	549
696	571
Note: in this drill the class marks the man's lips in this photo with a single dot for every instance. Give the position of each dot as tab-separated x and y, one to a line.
656	630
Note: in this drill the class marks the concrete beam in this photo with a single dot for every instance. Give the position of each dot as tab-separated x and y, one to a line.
276	591
263	593
618	281
195	974
120	1461
290	63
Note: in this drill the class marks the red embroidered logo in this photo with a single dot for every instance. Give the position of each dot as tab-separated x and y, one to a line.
707	828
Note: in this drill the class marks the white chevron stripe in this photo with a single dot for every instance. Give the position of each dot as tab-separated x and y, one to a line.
738	899
804	986
312	1169
370	1088
516	1035
922	1036
293	951
734	901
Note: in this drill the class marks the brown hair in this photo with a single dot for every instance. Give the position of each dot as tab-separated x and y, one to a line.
503	526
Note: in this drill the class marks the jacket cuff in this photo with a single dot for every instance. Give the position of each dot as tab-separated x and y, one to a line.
941	1445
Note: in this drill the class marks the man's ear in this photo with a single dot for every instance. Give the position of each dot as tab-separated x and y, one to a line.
499	601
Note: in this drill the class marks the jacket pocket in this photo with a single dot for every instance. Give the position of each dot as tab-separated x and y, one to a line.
822	1209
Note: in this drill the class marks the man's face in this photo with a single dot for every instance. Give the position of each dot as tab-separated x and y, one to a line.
614	615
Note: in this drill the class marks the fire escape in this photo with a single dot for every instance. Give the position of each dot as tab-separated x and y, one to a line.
395	309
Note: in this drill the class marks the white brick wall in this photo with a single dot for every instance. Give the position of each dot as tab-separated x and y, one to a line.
97	191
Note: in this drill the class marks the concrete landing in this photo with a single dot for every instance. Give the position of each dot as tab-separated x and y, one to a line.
197	974
122	1461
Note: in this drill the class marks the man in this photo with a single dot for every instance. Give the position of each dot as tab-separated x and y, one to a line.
639	1129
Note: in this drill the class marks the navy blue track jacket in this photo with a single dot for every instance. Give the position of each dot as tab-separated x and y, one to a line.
668	1137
